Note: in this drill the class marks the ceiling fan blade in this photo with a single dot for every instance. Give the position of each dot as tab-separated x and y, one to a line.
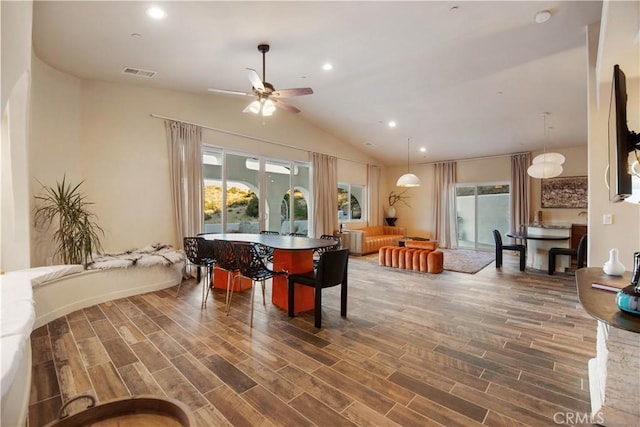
286	93
284	106
255	80
230	92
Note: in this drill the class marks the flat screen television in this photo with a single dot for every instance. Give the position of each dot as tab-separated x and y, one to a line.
624	145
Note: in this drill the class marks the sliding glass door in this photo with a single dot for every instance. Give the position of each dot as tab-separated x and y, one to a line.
481	208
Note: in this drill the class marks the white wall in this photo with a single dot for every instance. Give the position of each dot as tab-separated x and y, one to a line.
612	43
15	71
103	133
15	18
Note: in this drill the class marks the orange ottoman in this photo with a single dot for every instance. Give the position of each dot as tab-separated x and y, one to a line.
416	259
435	262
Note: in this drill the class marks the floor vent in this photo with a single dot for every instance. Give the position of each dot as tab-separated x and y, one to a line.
138	72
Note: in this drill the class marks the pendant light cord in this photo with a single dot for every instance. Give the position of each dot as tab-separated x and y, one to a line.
408	149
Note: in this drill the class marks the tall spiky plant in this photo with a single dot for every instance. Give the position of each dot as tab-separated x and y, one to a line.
77	235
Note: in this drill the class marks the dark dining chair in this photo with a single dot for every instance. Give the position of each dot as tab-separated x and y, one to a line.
298	234
201	254
331	271
522	249
251	266
319	251
265	251
226	260
579	253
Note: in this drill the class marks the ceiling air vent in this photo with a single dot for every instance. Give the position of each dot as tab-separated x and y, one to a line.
137	72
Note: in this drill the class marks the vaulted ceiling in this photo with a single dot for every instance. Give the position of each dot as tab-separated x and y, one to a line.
462	79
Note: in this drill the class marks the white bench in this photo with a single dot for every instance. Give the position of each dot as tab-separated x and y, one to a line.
33	297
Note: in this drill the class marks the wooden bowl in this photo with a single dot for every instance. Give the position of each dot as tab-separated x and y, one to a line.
138	411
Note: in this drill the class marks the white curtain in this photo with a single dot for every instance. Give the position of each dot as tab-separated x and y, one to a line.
445	205
373	195
520	191
325	194
185	170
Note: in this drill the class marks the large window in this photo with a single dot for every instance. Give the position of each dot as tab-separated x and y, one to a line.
350	202
246	194
481	208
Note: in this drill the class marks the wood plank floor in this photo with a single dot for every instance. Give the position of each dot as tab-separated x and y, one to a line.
498	348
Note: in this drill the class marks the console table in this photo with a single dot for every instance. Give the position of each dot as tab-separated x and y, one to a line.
614	374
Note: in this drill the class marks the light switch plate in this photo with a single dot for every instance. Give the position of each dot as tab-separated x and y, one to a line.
607	219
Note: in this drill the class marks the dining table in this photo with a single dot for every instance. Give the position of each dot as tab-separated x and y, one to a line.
292	254
538	244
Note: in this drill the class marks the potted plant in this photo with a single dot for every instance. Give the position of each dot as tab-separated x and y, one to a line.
394	198
77	235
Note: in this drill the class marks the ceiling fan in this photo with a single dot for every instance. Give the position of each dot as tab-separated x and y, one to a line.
268	96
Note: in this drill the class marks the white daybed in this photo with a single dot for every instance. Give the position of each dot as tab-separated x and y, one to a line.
35	296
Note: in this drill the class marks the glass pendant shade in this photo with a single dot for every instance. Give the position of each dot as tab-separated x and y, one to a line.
546	165
408	180
544	170
549	157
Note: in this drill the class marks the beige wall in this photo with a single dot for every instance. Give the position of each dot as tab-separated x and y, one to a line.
575	165
103	133
419	218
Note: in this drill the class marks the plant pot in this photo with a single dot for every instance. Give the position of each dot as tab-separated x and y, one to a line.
390	212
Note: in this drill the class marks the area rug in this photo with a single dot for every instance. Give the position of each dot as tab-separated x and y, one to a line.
466	260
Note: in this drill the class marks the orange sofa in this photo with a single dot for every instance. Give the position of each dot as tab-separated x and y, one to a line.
368	240
422	256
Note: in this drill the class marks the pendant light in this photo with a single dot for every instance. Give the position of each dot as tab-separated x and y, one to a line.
546	165
408	179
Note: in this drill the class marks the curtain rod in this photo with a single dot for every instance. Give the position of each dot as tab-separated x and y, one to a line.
254	138
469	159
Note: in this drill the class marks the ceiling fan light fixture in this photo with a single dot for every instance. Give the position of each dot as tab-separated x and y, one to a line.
255	107
268	107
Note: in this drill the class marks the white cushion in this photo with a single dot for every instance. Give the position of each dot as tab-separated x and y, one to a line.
40	275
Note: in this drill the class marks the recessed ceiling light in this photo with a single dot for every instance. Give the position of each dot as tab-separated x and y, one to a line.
454	8
542	16
327	67
392	124
156	13
423	149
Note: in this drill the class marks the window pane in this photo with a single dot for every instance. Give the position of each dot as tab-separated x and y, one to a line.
480	210
212	171
301	196
466	216
357	201
242	194
278	183
343	202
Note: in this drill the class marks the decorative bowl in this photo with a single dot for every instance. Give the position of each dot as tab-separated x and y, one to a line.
628	299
